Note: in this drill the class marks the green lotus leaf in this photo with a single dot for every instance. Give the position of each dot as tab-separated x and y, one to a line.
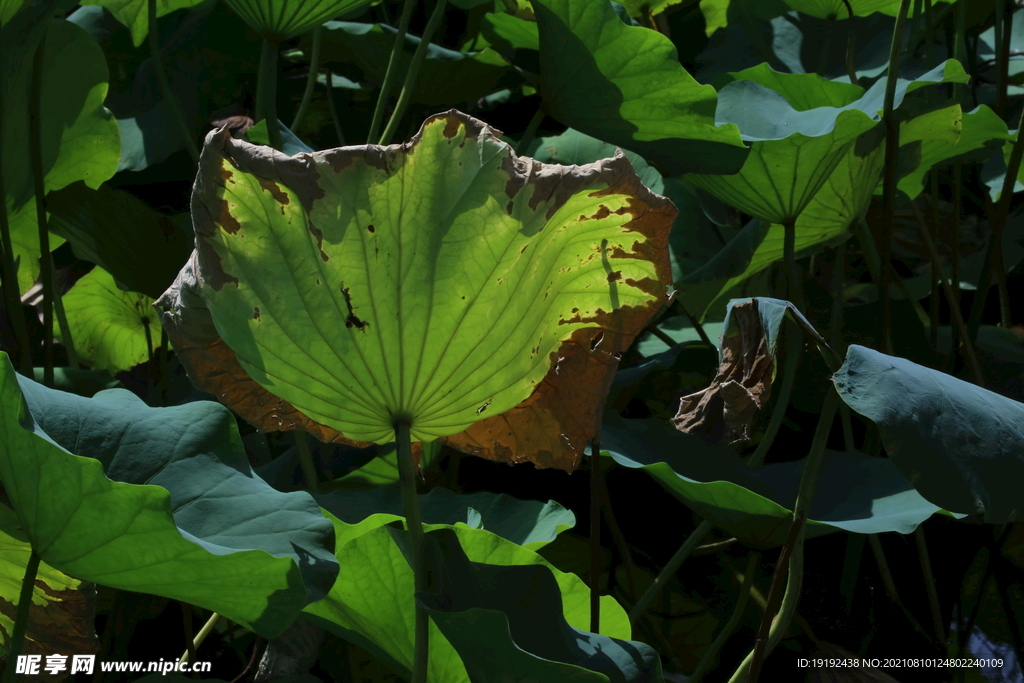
158	500
856	492
517	612
836	9
141	248
960	445
135	15
113	330
80	139
624	85
406	282
86	383
361	52
721	13
506	31
60	618
381	621
528	523
801	125
279	20
942	135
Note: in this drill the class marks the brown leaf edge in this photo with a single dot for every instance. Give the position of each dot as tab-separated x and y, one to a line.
549	428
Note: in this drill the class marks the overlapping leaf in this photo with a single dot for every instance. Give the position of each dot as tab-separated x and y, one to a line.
80	139
114	330
158	500
381	621
959	445
624	85
361	285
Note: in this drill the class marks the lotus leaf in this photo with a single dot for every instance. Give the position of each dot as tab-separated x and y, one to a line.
401	292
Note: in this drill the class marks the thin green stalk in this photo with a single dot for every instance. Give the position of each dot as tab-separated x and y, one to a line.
835	328
929	583
62	321
39	185
954	305
333	110
266	92
314	69
669	570
892	141
734	619
1002	52
392	72
960	49
164	379
795	290
620	541
165	86
201	636
596	490
414	70
8	268
407	478
306	461
794	350
749	669
693	321
186	619
890	583
851	570
531	130
28	582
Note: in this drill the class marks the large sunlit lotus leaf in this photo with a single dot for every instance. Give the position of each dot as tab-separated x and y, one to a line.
481	296
80	138
112	329
63	611
381	621
836	9
960	445
517	611
624	85
158	500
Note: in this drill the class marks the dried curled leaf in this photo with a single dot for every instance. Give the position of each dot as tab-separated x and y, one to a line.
480	296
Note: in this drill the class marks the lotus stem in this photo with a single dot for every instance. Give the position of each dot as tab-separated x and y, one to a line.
332	109
851	47
669	570
12	292
734	619
596	488
693	321
407	479
314	68
266	92
62	321
28	583
929	584
306	461
414	70
890	584
392	71
531	130
186	621
792	556
794	350
165	86
795	293
201	636
39	185
892	142
954	304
